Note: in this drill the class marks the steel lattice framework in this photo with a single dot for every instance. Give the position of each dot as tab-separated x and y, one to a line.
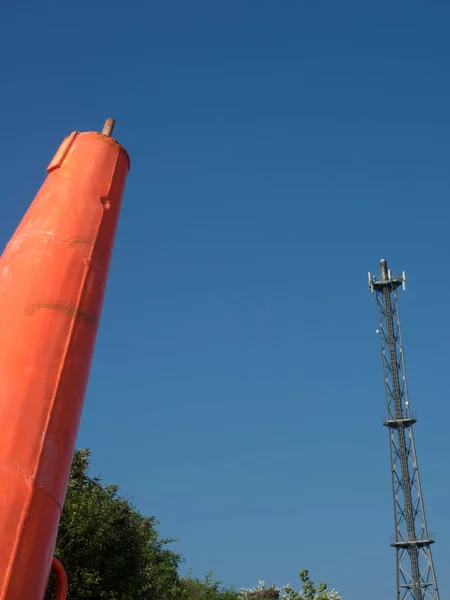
416	579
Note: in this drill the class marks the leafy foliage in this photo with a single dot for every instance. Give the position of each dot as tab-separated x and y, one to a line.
109	550
308	591
195	589
112	552
260	592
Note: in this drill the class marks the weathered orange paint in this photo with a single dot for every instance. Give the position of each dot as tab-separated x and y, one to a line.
52	282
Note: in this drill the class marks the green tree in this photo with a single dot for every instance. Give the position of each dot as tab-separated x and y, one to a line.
208	589
308	591
109	550
112	552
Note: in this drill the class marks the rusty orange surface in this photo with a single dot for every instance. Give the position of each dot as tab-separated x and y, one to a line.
52	282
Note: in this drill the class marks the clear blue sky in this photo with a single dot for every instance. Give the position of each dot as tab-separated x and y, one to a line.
279	150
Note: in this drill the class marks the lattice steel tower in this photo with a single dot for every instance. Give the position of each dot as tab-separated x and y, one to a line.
416	579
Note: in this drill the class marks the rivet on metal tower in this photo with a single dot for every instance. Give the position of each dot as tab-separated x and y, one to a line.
416	578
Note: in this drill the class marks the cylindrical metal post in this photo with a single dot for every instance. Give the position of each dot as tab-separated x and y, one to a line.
383	270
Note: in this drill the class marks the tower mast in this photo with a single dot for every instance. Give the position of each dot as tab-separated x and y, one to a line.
416	578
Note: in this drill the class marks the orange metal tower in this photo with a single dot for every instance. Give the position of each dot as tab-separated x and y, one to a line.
52	282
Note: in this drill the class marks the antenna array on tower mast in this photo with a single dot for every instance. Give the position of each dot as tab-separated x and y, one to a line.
416	578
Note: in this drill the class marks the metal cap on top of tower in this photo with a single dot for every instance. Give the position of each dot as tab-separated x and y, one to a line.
387	279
